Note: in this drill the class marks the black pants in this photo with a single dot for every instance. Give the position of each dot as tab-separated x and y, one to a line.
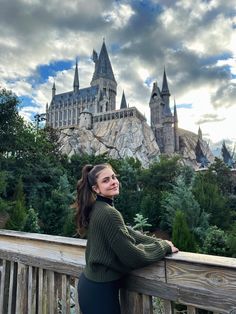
98	297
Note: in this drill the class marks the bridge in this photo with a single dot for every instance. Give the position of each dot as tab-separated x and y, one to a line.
39	274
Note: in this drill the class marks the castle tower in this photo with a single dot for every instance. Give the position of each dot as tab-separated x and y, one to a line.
156	105
165	90
76	79
123	104
176	128
103	77
168	131
86	119
53	90
199	133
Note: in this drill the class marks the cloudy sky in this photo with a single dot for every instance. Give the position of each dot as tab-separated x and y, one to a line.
195	40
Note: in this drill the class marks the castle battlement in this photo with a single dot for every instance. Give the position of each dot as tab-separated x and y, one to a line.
118	114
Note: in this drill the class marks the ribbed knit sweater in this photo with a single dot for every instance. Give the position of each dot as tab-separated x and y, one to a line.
113	249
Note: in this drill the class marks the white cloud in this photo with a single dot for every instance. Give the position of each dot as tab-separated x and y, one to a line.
119	16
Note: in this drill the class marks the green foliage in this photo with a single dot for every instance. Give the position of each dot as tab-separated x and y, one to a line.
182	198
181	234
231	240
17	216
141	222
211	199
154	182
216	242
32	222
222	175
56	208
18	213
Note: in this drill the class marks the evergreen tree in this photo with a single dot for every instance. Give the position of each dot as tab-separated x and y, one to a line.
181	234
32	222
182	198
18	213
57	208
210	198
216	242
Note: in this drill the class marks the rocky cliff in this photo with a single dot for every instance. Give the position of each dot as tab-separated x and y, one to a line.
127	137
119	138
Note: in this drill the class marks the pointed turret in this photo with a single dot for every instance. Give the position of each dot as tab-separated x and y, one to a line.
53	90
123	104
199	133
104	79
103	67
200	156
76	78
156	94
165	93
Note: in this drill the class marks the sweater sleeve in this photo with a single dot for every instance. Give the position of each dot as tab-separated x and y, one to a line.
131	253
141	238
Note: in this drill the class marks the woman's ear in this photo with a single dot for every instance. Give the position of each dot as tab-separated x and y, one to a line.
95	189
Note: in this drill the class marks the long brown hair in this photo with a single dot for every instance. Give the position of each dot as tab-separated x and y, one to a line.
86	197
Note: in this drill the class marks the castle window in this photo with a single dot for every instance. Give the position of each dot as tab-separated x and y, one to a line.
107	106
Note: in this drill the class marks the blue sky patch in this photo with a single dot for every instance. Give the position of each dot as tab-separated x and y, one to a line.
45	70
184	106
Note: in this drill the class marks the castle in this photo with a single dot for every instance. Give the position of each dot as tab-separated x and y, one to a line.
85	107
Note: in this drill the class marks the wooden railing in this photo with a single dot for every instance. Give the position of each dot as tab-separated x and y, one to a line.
39	274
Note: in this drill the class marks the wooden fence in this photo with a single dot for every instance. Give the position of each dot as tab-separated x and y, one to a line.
39	274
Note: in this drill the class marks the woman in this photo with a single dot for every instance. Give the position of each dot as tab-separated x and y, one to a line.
113	249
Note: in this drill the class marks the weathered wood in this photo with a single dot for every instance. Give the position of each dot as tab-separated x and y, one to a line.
77	309
65	295
167	307
2	285
40	291
52	307
191	310
11	299
198	281
21	289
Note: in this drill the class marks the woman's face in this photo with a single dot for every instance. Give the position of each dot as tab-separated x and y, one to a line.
107	183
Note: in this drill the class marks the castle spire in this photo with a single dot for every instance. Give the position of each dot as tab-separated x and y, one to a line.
53	89
165	93
165	88
123	104
103	67
76	78
199	133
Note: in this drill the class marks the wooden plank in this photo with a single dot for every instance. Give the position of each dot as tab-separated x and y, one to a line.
21	289
147	304
77	309
191	310
167	306
52	304
204	277
131	302
45	292
2	285
65	295
11	289
40	291
30	290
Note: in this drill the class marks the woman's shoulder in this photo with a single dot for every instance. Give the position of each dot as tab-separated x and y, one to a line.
103	209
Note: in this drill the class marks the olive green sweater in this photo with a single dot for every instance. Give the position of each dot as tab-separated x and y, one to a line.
114	249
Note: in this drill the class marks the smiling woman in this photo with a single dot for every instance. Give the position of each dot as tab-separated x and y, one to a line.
113	249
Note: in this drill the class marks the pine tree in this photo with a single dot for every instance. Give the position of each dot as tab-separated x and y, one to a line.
182	198
181	234
18	213
32	223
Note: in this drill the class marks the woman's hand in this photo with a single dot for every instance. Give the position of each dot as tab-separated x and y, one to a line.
173	248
